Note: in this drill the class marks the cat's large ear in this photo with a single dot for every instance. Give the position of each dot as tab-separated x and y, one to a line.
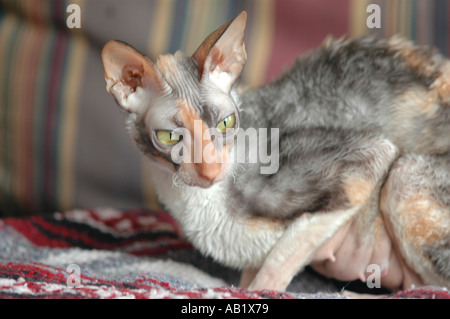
222	55
130	76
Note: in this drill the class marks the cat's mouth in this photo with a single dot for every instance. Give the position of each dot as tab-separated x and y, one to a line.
203	183
181	179
194	179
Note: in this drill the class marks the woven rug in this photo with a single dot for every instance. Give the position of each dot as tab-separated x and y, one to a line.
106	253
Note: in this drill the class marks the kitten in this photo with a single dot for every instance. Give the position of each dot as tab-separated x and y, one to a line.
361	143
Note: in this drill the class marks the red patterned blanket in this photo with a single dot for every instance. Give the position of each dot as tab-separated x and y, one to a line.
106	253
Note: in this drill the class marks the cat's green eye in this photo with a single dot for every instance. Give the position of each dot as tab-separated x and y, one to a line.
227	123
168	138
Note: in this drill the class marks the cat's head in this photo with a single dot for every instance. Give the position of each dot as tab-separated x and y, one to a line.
181	104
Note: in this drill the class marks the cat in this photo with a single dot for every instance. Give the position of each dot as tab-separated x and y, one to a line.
362	147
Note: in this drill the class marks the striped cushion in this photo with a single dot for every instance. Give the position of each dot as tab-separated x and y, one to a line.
62	141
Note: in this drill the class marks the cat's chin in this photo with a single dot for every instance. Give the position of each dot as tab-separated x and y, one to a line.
202	183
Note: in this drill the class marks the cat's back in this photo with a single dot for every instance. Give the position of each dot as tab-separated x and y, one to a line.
388	85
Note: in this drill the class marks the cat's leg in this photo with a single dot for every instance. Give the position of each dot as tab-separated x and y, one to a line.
247	276
297	247
318	236
415	202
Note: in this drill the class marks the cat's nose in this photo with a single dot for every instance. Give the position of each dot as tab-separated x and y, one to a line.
209	171
209	175
209	178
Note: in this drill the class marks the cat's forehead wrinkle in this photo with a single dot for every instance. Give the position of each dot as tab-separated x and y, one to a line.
158	116
182	76
188	115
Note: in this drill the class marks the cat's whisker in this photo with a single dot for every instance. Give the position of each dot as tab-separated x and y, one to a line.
177	181
235	171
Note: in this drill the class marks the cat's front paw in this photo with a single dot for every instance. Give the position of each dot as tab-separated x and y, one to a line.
269	279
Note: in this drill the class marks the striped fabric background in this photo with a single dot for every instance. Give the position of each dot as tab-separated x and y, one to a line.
62	142
38	106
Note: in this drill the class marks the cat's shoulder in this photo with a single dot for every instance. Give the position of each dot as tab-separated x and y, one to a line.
370	54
